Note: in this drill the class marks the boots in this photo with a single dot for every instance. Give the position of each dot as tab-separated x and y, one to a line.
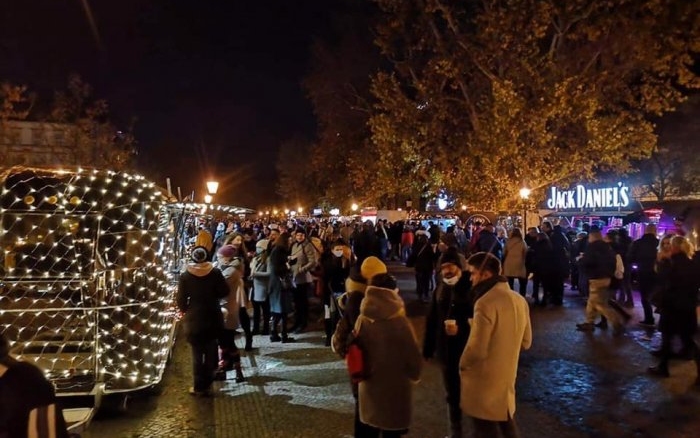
274	337
239	373
248	342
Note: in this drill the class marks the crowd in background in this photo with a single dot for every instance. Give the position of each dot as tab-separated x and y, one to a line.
277	268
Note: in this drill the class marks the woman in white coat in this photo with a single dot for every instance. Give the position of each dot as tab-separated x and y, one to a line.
514	261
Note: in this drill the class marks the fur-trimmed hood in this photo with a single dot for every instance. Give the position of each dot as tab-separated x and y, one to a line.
380	303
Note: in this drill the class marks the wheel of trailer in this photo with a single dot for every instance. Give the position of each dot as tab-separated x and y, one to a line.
115	403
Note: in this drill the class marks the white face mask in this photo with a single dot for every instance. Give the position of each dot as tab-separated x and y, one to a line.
451	281
338	253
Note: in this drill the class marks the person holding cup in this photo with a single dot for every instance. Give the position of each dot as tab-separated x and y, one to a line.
447	330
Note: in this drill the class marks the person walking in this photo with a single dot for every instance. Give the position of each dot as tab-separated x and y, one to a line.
422	260
199	290
488	367
447	330
598	265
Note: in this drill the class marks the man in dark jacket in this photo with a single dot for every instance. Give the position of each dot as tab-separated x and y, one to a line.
488	242
562	249
200	288
642	253
447	329
598	265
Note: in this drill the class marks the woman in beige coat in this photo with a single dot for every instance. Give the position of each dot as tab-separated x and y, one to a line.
514	261
392	359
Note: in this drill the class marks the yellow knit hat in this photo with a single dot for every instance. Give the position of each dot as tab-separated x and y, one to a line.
372	266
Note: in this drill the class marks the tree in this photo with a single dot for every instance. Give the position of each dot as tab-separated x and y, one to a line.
295	181
672	170
15	104
90	136
486	96
345	163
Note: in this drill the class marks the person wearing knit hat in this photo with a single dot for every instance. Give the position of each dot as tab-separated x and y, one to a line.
199	254
199	290
392	355
372	266
349	303
227	251
447	328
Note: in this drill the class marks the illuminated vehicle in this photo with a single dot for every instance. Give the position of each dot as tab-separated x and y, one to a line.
84	292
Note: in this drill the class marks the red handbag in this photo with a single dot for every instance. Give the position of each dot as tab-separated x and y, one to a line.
355	360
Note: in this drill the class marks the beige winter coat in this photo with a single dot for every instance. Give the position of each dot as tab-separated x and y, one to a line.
514	258
489	363
394	360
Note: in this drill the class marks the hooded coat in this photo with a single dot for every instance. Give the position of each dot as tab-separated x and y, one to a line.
199	290
236	297
392	358
489	364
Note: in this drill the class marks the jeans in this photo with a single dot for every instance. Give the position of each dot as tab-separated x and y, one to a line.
522	284
261	308
405	252
205	358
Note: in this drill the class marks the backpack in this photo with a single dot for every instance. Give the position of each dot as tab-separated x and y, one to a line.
619	267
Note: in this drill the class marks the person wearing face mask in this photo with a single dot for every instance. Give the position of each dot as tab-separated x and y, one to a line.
336	264
447	329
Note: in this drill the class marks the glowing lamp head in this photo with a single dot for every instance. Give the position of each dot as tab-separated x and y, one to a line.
525	193
212	187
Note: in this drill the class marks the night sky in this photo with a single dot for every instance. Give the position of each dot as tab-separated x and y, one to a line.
214	85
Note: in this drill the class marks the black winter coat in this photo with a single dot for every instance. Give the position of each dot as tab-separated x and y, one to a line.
598	260
198	295
449	302
643	252
678	295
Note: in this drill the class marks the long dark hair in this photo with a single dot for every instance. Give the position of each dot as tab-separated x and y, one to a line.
282	241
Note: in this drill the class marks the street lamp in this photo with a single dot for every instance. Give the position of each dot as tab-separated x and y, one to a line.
208	198
354	207
212	187
300	210
525	195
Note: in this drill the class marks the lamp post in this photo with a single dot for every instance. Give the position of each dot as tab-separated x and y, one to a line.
354	207
525	195
212	187
208	198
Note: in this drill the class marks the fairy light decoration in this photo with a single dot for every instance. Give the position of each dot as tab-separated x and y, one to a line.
85	292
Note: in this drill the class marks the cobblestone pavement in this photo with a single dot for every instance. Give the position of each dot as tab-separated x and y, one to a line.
570	385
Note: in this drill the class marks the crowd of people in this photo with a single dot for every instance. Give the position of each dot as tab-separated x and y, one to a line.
476	325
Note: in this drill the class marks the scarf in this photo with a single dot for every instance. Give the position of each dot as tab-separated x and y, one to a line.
479	290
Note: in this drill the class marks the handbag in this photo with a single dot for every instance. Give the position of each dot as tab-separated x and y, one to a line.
355	359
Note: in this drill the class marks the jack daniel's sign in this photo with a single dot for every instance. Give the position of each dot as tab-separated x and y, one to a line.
584	198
